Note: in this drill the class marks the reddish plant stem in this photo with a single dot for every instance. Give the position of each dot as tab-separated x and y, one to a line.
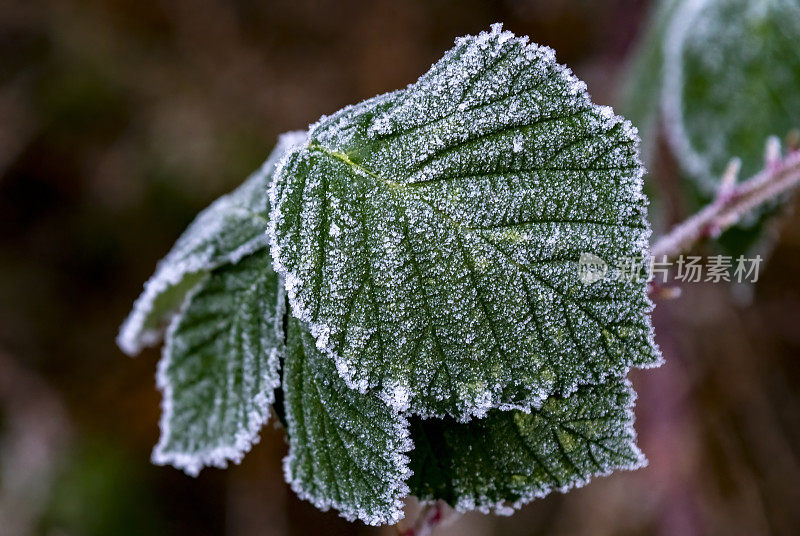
733	201
428	519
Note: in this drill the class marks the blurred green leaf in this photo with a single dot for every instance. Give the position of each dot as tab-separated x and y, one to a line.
721	76
731	79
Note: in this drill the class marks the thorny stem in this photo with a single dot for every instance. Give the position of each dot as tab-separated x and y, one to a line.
734	201
428	519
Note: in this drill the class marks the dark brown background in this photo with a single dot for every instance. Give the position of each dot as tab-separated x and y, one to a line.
119	120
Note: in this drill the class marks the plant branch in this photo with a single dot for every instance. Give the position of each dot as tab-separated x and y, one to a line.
428	519
734	201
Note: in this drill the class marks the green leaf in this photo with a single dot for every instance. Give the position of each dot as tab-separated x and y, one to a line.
723	75
220	366
346	449
510	458
231	228
731	79
429	237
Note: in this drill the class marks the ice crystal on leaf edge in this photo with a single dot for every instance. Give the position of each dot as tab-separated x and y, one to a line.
220	366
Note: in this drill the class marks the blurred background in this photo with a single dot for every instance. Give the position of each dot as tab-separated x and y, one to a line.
121	119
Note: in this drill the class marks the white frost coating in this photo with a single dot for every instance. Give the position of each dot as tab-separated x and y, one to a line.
193	462
188	462
229	229
397	487
464	195
428	237
467	502
482	504
397	396
174	443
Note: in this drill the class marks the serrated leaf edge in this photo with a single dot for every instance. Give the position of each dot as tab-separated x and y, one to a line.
469	503
193	463
397	487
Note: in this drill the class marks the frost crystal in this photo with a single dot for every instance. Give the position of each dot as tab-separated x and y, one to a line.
228	230
430	237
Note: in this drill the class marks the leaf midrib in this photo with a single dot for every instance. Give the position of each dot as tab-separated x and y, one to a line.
396	187
408	190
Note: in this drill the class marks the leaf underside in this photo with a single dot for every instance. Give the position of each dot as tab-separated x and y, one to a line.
429	237
229	229
220	366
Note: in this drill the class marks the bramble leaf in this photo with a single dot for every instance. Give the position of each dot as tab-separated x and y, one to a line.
430	241
220	366
229	229
509	458
430	237
346	449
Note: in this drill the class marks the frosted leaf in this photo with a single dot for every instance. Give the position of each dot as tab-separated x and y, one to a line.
220	364
346	449
232	227
731	79
510	458
430	236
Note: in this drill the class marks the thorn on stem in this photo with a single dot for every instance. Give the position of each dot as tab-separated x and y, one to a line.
728	182
772	152
713	230
734	201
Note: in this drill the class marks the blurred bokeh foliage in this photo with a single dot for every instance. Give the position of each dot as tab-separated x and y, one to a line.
100	492
711	81
120	120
